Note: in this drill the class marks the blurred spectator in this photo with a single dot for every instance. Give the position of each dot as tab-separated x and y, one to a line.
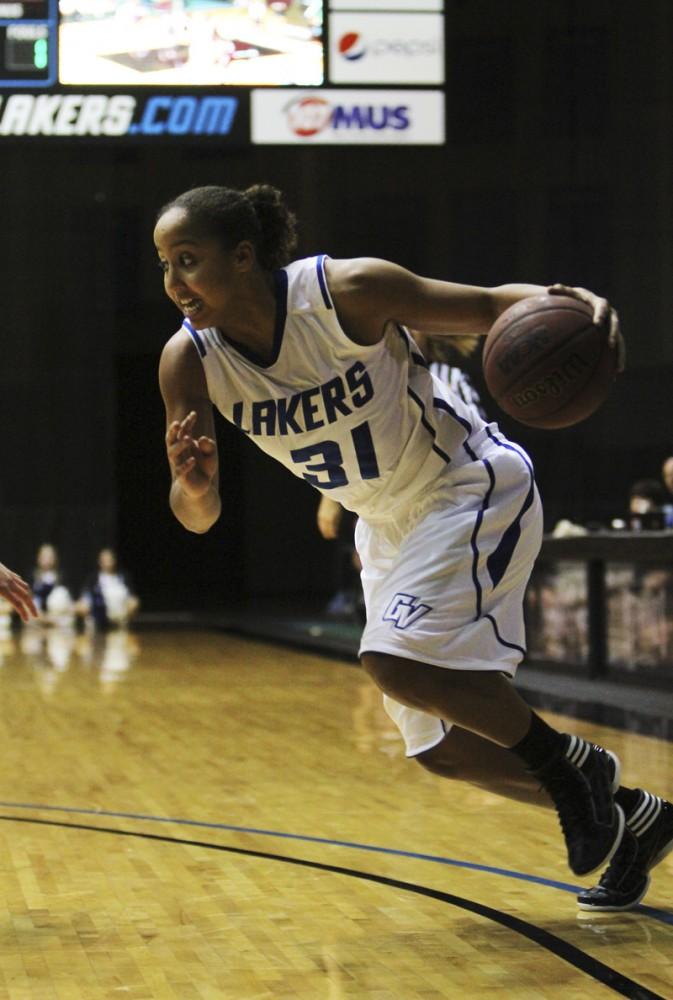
667	475
52	597
108	598
647	498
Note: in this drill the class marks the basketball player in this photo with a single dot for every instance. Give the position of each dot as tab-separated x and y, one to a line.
16	591
313	360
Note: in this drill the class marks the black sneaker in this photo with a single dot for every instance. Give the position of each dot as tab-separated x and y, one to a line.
648	838
580	783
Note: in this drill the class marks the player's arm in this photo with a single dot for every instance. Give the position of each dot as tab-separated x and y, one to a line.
369	293
190	436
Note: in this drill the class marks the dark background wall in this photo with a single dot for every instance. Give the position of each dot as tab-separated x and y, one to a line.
558	166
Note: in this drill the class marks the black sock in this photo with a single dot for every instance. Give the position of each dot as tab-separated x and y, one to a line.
627	798
540	745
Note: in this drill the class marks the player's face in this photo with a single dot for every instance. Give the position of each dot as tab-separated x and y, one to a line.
199	274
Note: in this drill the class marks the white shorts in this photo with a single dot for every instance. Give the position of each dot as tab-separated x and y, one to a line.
444	583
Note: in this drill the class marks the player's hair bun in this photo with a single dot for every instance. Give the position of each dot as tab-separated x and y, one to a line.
278	225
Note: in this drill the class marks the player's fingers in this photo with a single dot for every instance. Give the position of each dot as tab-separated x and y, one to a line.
601	311
179	446
600	306
616	340
187	423
181	469
25	607
615	332
206	445
172	432
30	604
17	592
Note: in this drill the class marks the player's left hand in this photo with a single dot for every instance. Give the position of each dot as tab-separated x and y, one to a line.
330	514
193	461
16	591
603	313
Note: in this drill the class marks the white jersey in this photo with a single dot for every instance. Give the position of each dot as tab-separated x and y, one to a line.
368	426
460	383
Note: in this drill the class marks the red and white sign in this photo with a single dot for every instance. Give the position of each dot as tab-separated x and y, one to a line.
386	48
347	117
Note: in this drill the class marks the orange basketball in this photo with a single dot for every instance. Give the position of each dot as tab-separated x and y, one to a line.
546	363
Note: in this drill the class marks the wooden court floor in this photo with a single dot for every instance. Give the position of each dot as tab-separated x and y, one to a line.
197	816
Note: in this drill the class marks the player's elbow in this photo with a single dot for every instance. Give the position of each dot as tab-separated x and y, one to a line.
196	527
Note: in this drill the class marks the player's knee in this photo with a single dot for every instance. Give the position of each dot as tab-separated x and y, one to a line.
390	675
439	760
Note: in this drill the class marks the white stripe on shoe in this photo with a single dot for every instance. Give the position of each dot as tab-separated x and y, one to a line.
644	815
577	751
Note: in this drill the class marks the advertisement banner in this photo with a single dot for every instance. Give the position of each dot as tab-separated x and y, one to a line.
386	48
348	117
130	116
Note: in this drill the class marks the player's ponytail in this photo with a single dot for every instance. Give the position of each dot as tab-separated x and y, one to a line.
278	225
259	215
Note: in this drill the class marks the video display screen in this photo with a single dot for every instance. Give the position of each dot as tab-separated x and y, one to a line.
191	43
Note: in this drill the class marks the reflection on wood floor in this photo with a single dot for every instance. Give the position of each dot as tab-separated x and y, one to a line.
158	791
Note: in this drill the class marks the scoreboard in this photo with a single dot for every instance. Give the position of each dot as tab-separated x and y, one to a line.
28	40
231	72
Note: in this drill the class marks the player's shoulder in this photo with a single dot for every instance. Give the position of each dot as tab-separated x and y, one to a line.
180	357
365	279
351	271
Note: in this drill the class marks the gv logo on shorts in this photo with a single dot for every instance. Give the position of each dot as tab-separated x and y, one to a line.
404	610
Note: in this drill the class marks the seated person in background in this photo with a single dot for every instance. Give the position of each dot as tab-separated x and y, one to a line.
337	524
667	476
646	501
52	596
108	598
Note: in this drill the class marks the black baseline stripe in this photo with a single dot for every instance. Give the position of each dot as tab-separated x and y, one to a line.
557	946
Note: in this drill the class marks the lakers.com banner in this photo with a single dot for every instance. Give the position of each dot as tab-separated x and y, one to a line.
220	118
348	117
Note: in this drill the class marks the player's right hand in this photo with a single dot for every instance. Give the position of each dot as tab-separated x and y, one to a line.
193	461
16	591
603	313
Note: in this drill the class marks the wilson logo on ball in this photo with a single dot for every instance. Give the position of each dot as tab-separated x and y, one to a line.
553	383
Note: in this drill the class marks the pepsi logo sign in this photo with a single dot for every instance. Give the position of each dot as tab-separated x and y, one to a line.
400	47
351	46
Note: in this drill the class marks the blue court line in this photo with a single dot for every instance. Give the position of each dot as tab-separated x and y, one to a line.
663	916
561	949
